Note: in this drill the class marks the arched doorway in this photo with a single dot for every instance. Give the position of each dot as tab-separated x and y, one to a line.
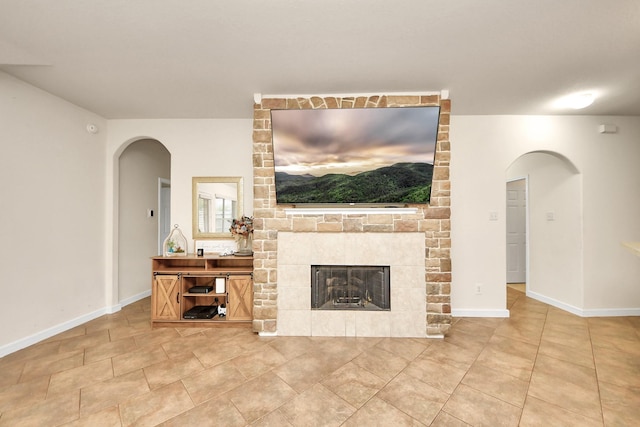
554	228
143	167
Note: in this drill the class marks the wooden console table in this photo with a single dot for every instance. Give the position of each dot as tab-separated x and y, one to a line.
174	277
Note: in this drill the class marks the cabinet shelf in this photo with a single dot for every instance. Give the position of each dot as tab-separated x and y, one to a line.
202	323
208	295
207	263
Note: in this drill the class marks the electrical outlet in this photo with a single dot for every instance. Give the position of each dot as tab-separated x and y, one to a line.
478	288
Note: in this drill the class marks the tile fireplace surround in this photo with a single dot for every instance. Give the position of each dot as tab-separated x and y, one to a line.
416	245
403	252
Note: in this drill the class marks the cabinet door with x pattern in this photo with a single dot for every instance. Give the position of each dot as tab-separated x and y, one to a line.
165	303
240	304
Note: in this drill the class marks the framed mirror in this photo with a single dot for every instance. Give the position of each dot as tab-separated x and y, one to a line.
216	202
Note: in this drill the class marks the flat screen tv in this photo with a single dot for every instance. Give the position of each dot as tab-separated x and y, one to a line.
359	156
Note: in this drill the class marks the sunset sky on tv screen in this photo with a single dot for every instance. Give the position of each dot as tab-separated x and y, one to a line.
350	141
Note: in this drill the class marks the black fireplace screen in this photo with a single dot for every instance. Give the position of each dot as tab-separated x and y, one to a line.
340	287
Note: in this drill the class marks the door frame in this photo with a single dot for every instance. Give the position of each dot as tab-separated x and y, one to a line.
162	182
526	221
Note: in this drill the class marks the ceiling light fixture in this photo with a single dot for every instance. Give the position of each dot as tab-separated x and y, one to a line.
576	101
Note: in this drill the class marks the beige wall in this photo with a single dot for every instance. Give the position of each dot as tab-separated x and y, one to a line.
52	215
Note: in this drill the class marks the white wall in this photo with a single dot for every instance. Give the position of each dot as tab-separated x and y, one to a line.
612	215
198	147
141	164
484	147
52	175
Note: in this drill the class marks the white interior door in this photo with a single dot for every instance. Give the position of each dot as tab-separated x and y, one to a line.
516	231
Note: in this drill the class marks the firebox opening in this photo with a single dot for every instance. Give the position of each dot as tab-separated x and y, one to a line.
343	287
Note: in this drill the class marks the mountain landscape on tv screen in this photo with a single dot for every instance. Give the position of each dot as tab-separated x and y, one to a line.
405	183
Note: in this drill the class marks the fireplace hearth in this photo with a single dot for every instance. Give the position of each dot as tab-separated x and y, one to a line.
345	287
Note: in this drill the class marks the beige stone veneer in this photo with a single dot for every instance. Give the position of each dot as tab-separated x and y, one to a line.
432	221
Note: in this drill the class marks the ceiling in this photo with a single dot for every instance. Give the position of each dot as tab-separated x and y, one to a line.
125	59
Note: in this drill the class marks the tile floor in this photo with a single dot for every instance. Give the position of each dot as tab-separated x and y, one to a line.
540	367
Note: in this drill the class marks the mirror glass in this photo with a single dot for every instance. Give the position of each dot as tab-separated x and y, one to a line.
216	202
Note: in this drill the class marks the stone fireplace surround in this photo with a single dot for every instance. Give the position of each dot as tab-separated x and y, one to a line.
282	234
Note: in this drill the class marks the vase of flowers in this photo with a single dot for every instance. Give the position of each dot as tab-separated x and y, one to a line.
242	230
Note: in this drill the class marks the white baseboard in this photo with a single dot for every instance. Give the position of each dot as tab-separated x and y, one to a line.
70	324
555	303
114	308
611	312
49	332
595	312
464	312
268	334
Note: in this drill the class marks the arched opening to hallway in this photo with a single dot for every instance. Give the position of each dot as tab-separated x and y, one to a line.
144	173
554	248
